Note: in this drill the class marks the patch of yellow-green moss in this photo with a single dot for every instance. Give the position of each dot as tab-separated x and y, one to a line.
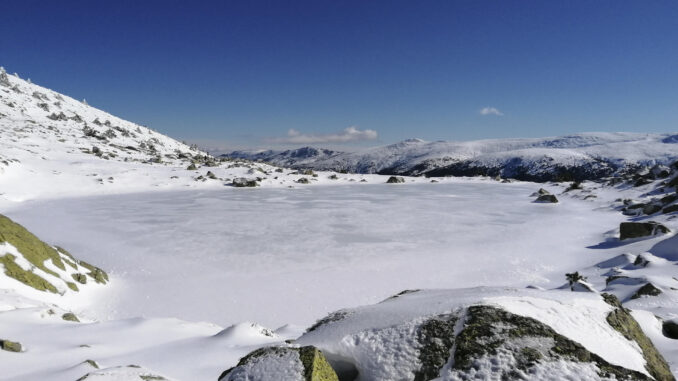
13	270
72	286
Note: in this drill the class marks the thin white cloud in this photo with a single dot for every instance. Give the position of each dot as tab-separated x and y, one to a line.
349	134
490	111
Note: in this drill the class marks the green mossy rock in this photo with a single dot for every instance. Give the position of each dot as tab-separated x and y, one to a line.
70	316
315	365
10	346
623	322
95	273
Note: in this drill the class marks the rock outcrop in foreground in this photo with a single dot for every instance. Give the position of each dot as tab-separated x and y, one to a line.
483	333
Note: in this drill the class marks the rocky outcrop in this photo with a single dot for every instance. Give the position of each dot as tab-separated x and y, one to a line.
395	180
628	230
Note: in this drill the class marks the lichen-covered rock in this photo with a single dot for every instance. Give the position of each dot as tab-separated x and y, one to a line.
282	363
622	321
547	198
629	230
524	343
395	180
10	346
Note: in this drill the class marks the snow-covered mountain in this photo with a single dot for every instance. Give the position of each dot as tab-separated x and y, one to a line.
573	157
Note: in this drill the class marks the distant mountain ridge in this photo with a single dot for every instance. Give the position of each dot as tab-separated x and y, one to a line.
582	156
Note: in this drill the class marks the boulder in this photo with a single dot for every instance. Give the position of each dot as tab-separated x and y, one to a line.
670	329
647	290
547	198
302	180
282	363
670	209
242	182
540	192
10	346
628	230
395	180
70	316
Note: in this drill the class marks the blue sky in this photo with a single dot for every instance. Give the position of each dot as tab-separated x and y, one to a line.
353	73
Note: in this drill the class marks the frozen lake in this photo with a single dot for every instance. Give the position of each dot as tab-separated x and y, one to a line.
278	256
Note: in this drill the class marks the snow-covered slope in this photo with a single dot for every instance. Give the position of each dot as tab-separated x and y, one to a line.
573	157
54	146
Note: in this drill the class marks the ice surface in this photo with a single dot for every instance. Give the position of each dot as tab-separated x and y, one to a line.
278	256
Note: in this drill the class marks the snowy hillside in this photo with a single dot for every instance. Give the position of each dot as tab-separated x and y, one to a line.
52	145
574	157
